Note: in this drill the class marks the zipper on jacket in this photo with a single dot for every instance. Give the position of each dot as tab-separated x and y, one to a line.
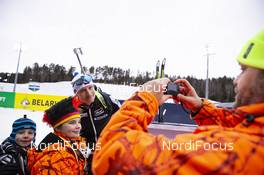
91	118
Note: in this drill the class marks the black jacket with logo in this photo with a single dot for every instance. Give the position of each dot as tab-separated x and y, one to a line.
95	117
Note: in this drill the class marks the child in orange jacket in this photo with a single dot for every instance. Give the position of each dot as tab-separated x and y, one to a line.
61	152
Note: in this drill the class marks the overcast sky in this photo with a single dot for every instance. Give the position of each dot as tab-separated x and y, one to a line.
129	33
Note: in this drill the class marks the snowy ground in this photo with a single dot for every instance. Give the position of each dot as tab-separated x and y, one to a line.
120	92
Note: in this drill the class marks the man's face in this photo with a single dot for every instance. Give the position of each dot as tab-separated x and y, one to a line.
87	94
246	87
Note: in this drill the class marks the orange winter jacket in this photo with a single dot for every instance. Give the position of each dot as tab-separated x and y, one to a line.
228	142
58	158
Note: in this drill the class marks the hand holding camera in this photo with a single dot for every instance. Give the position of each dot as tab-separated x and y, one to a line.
180	90
157	87
186	95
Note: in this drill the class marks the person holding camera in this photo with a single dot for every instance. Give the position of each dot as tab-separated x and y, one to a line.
225	142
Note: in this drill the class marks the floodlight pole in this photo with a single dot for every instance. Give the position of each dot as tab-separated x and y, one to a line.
16	77
207	72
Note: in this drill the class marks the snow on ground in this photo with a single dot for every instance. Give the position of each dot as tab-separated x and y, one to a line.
120	92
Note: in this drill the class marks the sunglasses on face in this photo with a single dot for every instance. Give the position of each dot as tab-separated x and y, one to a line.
85	79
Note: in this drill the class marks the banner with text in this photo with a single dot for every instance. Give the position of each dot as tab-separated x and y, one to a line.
36	102
7	99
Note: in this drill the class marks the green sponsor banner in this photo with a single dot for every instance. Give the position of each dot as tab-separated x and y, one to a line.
7	99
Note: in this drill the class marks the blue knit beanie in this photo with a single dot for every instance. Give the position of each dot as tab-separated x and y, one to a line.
22	123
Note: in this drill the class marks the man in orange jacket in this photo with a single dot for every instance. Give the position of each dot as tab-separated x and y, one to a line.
226	141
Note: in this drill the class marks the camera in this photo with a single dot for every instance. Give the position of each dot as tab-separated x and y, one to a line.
172	89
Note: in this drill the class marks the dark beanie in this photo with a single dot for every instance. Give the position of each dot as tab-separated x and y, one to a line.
61	112
22	123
